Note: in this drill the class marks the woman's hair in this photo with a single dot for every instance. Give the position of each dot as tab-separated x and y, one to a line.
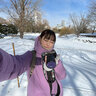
48	34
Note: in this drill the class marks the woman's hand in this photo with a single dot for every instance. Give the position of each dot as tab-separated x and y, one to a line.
45	59
57	58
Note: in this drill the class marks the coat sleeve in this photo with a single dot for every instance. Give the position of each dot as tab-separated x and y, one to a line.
13	66
60	70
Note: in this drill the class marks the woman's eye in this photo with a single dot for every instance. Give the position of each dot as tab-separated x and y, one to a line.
46	40
52	42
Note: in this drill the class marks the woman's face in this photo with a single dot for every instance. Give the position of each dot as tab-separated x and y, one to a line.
46	44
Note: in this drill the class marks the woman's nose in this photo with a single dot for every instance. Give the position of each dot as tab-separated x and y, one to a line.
48	43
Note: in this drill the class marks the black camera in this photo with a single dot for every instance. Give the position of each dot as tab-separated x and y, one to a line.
50	58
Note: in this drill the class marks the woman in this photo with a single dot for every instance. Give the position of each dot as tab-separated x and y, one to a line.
38	85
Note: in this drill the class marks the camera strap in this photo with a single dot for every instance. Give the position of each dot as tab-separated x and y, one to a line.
50	77
33	62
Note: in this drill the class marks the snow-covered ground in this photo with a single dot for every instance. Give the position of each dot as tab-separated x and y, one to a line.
78	56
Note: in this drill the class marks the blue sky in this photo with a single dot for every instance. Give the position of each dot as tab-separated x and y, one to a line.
57	10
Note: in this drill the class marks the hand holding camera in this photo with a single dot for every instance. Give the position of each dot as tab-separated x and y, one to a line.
49	59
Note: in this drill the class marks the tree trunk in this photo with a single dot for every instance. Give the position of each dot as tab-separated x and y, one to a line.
21	35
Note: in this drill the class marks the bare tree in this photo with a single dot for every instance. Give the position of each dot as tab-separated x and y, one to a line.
46	24
21	11
80	24
92	15
40	26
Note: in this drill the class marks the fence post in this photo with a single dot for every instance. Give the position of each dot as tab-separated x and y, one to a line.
14	55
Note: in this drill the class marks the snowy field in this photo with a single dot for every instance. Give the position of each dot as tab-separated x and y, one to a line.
79	59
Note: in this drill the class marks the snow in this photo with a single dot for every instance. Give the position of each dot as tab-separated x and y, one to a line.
77	54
